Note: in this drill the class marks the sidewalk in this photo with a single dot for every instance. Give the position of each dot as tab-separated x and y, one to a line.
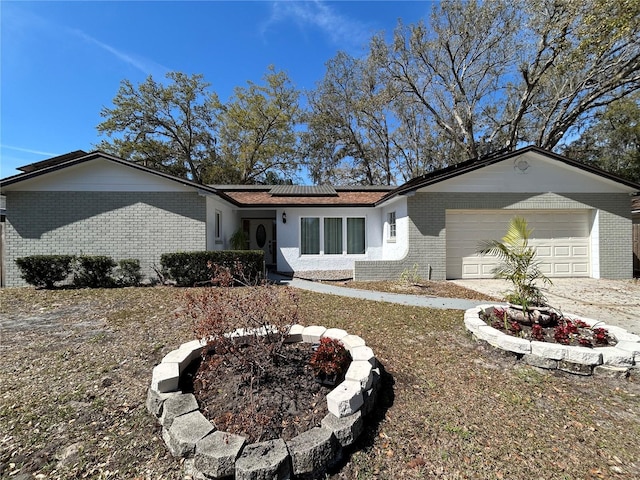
411	300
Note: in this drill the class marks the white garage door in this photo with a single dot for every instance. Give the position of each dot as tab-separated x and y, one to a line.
561	240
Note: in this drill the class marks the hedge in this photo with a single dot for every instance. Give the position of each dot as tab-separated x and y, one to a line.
45	270
94	271
189	269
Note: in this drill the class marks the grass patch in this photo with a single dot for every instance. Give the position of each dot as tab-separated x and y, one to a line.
76	366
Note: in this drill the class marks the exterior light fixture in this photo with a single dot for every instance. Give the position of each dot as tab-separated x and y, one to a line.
284	217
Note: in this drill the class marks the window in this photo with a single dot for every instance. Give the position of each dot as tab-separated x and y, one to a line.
309	236
355	236
333	236
327	236
391	220
218	225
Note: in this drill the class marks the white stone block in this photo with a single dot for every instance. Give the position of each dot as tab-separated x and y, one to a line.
514	344
335	333
616	357
345	399
364	354
633	347
360	372
489	334
182	356
313	334
552	351
583	355
473	324
621	334
352	341
165	377
295	334
473	312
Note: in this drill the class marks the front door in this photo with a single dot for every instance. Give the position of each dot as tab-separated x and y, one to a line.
262	236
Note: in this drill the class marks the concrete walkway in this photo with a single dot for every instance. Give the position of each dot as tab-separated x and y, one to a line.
411	300
615	302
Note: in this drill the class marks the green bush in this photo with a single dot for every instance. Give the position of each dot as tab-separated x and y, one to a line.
45	270
128	273
189	269
93	271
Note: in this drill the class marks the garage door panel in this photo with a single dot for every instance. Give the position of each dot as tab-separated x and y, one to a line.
560	238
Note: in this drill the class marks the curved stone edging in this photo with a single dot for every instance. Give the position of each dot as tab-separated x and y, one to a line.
614	361
215	454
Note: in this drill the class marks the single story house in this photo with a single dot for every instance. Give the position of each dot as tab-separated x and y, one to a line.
98	204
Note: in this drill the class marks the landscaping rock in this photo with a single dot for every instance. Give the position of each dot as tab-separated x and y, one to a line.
514	344
607	371
313	334
540	362
155	401
621	334
583	355
352	341
633	347
185	431
165	377
335	333
346	429
552	351
182	356
472	322
575	368
216	454
295	334
264	461
489	335
616	357
360	371
365	354
312	451
345	399
177	405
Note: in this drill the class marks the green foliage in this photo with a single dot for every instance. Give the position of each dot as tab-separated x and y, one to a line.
196	268
517	263
128	273
411	275
612	140
239	240
45	270
93	271
169	128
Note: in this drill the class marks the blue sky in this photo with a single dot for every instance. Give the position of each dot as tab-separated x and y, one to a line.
62	62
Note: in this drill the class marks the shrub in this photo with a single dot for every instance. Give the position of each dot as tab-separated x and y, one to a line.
45	270
189	269
330	360
517	264
93	271
261	316
128	273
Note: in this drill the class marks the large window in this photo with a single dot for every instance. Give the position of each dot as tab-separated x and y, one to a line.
333	236
309	236
355	235
327	236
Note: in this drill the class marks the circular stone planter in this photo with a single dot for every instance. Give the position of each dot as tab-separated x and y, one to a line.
616	362
214	454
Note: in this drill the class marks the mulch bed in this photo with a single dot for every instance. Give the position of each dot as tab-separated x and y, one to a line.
281	401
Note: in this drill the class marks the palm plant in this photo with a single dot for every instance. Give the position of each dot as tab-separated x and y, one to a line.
517	264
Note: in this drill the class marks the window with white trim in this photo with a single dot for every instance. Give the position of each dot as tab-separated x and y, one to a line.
333	235
391	220
218	225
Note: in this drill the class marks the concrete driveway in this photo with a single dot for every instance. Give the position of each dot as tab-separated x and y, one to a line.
616	302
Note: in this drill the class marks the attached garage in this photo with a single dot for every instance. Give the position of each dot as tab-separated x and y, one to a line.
561	240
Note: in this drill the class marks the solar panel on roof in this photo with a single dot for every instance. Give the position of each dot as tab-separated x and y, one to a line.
303	191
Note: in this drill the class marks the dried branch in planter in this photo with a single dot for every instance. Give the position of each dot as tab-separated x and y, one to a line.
246	325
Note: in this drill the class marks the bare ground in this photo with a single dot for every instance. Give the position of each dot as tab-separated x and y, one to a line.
75	366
